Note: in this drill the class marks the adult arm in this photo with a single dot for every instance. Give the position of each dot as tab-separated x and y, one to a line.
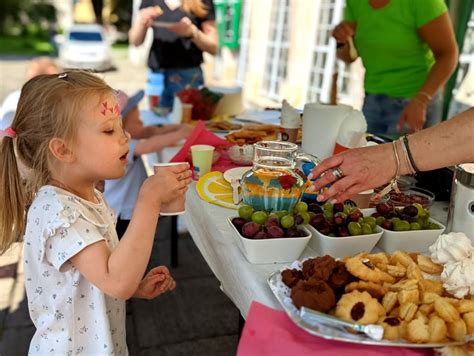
205	40
118	273
445	144
439	36
145	19
342	33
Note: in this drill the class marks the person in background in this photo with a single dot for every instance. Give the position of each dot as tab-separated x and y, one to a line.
177	48
68	131
122	194
354	171
408	50
37	66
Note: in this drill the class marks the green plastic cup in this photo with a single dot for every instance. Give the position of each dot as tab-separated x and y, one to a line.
202	159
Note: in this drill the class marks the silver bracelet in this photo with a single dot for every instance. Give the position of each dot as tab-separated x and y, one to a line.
411	170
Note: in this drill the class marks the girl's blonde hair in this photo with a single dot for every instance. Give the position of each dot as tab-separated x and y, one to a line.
49	107
196	7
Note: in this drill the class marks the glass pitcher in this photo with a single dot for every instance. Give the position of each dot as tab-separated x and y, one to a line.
273	184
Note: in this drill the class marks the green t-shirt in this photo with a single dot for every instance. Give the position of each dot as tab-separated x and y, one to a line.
397	61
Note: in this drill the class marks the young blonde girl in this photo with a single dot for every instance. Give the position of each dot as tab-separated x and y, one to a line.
67	131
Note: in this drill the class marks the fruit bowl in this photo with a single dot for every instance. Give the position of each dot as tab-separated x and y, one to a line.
412	195
272	250
339	247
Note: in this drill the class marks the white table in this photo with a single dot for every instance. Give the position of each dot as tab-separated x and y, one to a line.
242	281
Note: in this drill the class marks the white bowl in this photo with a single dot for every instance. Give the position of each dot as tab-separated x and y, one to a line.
339	247
276	250
412	241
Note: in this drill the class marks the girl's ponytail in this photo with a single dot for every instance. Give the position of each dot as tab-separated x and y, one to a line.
13	196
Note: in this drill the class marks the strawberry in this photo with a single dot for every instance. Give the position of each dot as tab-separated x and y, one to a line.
287	181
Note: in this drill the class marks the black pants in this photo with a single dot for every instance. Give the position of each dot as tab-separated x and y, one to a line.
121	227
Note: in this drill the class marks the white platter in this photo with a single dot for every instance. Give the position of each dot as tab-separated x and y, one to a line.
282	294
235	173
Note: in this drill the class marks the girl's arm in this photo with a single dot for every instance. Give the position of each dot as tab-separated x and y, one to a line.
118	273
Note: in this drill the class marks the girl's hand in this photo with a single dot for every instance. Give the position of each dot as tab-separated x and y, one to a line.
167	183
147	15
342	32
414	115
156	282
184	28
362	168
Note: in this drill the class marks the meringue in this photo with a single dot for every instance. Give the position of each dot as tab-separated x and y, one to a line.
451	247
458	277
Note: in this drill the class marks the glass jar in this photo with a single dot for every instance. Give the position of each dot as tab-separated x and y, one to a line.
273	184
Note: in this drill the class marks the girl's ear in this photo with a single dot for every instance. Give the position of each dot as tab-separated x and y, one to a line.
60	150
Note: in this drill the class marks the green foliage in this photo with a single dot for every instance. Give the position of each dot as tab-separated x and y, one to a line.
33	17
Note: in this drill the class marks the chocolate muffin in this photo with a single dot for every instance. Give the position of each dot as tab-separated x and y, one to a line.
314	294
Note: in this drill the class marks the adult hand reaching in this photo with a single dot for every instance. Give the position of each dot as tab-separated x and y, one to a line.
362	169
184	28
148	15
343	32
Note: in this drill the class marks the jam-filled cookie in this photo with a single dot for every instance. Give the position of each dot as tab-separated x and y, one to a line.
393	328
359	307
374	289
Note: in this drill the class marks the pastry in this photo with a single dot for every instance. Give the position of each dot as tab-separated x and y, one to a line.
374	289
469	321
451	247
401	257
389	301
359	307
426	308
365	270
414	272
397	270
417	331
407	311
409	296
405	284
457	330
431	286
465	306
428	266
393	328
340	276
291	276
446	310
319	267
458	277
429	297
437	328
313	294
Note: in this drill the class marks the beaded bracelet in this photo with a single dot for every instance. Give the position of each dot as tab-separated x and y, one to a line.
411	170
410	156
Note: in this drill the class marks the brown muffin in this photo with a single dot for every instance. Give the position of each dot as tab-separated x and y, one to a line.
314	294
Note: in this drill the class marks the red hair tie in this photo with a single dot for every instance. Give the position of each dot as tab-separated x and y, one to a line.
8	132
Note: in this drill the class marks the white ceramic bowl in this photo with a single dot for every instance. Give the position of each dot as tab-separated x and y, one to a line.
411	241
339	247
281	250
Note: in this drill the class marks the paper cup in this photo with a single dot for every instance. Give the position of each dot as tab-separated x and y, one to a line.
187	113
289	134
177	206
363	199
202	159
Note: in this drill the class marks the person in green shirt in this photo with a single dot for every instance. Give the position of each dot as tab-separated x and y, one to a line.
408	50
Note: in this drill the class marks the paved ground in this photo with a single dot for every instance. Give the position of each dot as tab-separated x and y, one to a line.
195	319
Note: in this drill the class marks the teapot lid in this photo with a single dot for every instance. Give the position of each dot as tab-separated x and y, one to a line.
465	174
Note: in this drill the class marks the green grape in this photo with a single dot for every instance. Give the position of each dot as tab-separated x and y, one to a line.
245	212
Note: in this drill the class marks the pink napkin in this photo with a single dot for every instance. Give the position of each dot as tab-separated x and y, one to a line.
271	332
202	136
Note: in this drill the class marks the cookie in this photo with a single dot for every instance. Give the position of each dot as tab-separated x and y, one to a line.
366	271
374	289
407	311
431	286
457	330
417	331
359	307
469	321
409	296
426	309
389	301
405	284
427	265
393	328
465	306
397	271
437	328
414	272
401	257
429	297
446	310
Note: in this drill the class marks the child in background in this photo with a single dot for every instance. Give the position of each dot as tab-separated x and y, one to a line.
122	194
68	131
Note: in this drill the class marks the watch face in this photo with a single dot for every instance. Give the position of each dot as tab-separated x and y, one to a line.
173	4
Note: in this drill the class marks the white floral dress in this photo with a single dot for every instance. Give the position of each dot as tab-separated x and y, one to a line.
71	315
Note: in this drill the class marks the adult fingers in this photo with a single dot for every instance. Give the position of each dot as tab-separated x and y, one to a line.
179	168
328	163
159	270
340	186
348	194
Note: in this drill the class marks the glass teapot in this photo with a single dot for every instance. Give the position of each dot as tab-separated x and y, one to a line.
273	184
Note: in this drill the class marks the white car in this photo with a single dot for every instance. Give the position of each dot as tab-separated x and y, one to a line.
85	47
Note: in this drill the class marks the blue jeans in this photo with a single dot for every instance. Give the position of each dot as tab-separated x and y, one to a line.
383	113
176	80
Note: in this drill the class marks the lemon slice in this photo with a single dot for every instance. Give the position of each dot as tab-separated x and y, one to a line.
214	189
